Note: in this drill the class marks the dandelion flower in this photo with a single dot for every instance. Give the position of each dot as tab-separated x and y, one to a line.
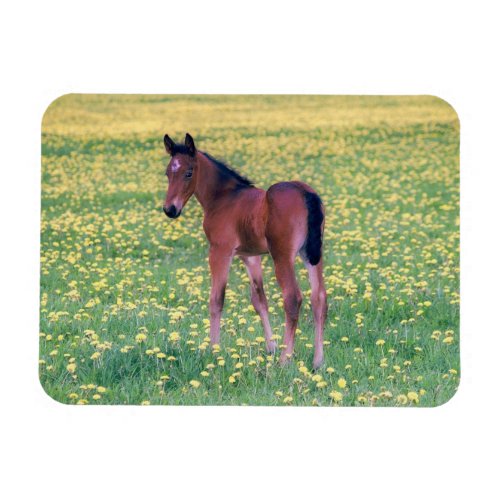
413	397
402	399
336	396
174	337
140	337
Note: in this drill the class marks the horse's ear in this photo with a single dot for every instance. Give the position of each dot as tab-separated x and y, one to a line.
189	143
169	144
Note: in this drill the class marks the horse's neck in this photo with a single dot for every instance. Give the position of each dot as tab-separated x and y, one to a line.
209	192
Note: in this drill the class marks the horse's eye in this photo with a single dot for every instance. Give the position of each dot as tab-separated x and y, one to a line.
189	175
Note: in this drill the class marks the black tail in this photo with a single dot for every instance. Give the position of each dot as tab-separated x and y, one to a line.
314	220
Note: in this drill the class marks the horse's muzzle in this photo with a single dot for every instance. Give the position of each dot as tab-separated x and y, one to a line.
172	212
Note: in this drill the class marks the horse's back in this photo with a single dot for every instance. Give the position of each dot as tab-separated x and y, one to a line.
288	199
285	186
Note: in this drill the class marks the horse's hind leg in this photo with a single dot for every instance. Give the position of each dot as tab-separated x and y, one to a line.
319	307
292	298
258	296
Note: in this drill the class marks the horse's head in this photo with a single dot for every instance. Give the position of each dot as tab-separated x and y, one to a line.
181	173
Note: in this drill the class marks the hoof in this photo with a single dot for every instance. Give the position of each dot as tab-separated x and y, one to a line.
317	364
285	358
271	347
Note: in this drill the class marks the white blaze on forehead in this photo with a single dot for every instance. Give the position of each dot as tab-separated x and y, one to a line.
176	165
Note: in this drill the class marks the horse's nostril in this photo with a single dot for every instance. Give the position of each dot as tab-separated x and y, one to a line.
171	211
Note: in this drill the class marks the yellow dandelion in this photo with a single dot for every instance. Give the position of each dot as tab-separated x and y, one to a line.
402	399
336	396
140	337
71	367
174	337
413	397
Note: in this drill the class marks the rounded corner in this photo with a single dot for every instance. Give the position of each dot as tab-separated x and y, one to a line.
446	103
50	396
51	103
446	401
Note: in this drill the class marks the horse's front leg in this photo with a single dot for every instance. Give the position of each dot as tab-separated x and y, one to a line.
220	261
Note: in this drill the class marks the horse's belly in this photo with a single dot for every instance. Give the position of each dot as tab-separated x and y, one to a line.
249	248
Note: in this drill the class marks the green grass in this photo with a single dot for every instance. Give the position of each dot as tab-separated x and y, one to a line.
113	266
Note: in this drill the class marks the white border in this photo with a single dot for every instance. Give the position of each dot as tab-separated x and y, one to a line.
56	451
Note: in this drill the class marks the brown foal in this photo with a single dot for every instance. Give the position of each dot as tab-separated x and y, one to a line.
242	220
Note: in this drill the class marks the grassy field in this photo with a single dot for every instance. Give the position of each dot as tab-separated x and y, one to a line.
124	290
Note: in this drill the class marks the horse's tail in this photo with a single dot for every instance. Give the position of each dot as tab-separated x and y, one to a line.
315	217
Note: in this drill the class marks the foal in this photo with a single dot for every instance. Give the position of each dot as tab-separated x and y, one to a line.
240	219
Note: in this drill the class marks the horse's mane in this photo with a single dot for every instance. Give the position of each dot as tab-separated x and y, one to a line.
227	172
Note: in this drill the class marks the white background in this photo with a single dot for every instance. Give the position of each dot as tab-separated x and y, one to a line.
449	49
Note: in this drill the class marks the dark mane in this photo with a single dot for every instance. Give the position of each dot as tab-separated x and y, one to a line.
227	173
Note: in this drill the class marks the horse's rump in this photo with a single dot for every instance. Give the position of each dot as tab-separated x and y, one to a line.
297	205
